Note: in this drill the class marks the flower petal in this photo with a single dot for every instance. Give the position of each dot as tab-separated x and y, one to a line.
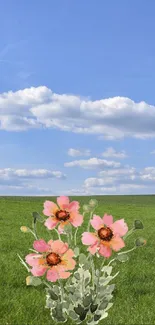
105	251
63	202
61	226
67	261
89	238
64	275
69	254
76	219
119	227
52	275
68	264
50	208
51	223
34	259
38	270
107	219
93	249
73	206
97	222
41	246
117	243
58	246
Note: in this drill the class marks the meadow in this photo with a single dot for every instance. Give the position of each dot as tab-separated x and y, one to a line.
134	296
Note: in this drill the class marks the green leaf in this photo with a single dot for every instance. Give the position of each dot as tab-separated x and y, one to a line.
138	224
104	315
93	308
107	269
140	242
52	294
87	281
58	313
49	303
109	306
33	281
83	316
82	259
65	305
71	289
97	317
106	290
122	258
79	310
76	251
103	304
56	289
105	280
37	217
73	315
87	300
77	275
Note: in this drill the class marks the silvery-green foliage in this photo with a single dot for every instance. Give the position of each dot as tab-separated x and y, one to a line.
87	302
57	308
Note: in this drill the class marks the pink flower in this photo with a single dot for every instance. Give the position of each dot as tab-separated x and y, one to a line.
55	259
62	213
107	236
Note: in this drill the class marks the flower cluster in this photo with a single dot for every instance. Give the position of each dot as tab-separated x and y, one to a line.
87	292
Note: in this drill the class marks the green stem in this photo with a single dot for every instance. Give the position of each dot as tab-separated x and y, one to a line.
102	264
34	234
130	250
57	233
48	285
35	230
111	261
71	235
91	214
128	233
75	236
22	262
33	250
93	272
61	289
69	239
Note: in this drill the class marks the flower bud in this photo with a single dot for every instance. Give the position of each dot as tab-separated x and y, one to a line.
86	208
93	203
33	281
138	224
24	229
140	242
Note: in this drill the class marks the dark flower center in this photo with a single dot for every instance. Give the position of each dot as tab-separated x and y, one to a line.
53	259
105	233
62	215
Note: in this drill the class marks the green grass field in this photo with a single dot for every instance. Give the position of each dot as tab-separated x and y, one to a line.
134	301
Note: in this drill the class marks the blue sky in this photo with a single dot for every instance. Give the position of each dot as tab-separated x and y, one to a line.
77	112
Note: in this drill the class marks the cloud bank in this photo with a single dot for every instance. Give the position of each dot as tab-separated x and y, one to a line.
110	118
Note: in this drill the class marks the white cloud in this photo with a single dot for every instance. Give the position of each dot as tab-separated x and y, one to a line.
93	163
93	181
77	152
7	174
24	189
148	174
27	181
110	118
152	152
112	153
123	180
